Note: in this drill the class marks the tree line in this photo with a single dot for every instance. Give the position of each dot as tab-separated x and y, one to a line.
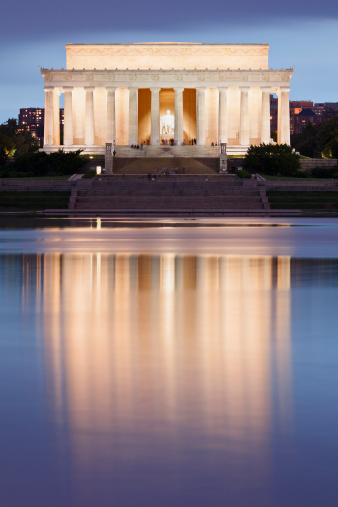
19	155
318	141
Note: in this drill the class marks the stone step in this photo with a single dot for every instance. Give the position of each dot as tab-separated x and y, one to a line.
175	164
168	203
151	186
177	193
167	151
140	201
173	206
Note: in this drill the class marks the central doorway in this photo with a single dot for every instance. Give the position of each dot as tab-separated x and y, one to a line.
167	116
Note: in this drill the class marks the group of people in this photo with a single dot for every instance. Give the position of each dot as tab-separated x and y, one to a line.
168	142
137	146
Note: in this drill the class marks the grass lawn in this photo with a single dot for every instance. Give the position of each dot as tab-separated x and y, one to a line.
33	201
303	200
63	177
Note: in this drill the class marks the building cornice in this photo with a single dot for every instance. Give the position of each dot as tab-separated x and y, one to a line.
167	78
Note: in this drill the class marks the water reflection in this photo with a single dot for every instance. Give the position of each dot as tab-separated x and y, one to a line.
139	341
167	366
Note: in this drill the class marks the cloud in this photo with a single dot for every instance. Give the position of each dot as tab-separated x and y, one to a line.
77	21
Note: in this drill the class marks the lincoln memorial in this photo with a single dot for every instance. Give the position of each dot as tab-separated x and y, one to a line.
165	93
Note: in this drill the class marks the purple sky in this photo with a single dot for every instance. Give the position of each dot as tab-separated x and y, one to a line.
33	34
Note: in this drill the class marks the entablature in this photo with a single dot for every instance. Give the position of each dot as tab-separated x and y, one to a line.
137	78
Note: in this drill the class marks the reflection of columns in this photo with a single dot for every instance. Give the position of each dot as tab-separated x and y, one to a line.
111	126
283	273
283	135
155	116
133	116
56	117
48	127
223	115
89	116
200	116
265	115
244	116
178	132
68	116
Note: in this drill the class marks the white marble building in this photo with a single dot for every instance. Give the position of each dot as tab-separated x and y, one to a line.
119	92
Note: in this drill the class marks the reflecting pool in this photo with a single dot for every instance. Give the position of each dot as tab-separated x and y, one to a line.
168	363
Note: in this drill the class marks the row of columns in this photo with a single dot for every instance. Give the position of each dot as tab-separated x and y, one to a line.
52	136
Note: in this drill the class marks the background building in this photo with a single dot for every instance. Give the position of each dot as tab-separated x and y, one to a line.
304	112
33	119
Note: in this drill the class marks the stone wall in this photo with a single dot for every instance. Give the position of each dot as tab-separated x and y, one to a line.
307	164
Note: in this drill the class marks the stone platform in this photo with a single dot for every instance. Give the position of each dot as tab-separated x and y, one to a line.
152	151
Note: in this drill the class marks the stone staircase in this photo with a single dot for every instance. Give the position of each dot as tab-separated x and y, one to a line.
167	195
167	151
157	165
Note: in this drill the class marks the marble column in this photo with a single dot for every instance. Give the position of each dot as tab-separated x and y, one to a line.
223	115
155	116
56	117
133	116
283	134
200	117
265	115
68	116
111	122
49	123
89	116
244	132
178	132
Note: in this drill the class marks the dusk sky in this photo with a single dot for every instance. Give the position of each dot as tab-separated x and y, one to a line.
33	34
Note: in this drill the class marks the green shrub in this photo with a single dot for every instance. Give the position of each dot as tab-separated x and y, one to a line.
324	172
242	173
272	159
303	174
41	164
89	174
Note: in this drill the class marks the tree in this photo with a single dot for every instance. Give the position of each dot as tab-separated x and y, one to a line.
23	140
313	141
274	159
7	148
305	142
9	128
41	164
331	149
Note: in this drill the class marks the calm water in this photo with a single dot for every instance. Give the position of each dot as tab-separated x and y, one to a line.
176	363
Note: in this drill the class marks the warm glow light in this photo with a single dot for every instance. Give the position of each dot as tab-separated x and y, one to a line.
98	169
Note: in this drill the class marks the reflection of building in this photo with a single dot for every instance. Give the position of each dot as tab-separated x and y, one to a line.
118	92
121	327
